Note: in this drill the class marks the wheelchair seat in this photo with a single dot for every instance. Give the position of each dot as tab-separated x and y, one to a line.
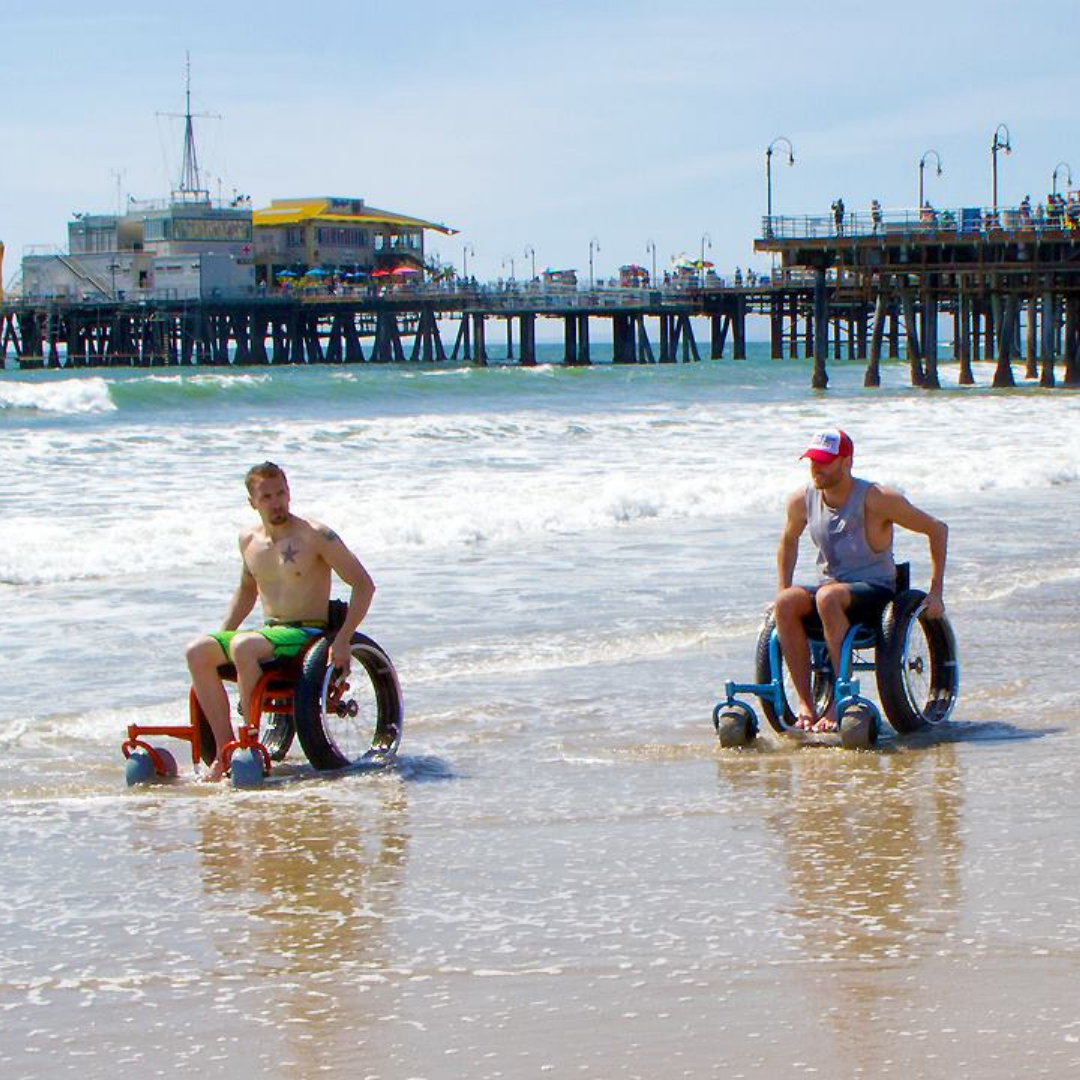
866	637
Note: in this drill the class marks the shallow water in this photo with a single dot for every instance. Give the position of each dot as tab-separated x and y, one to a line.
564	875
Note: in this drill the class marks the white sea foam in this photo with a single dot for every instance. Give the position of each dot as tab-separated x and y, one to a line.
90	395
467	479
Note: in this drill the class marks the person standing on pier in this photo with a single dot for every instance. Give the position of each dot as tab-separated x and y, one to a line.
838	215
851	524
286	561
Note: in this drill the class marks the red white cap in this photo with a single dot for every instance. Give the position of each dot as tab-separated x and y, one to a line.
827	446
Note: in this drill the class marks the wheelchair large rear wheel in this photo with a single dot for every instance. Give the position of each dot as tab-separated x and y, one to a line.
351	720
822	680
918	674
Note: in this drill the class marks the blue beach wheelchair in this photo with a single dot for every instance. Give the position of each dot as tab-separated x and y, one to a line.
912	656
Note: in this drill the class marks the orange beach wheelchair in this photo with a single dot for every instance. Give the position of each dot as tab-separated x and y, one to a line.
913	657
355	720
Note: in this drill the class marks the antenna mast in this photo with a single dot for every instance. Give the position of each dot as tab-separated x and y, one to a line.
189	175
191	188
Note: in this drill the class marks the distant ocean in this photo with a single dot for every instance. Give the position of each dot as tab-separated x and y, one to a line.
565	876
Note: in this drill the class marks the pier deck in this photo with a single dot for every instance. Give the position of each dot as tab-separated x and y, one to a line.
870	288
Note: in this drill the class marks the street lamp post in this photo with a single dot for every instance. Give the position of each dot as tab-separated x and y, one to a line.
510	259
651	247
705	239
466	251
922	168
1068	176
594	246
530	253
995	146
768	177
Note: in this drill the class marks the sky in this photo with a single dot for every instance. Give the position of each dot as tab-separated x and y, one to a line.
565	128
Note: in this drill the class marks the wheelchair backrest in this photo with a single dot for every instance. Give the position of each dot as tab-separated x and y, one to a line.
335	616
903	577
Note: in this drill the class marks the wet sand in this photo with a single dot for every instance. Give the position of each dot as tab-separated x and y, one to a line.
565	876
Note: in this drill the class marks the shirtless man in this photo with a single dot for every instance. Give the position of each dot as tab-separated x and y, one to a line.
851	524
287	562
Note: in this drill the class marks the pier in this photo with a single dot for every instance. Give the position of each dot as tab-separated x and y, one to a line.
1004	286
428	325
1008	280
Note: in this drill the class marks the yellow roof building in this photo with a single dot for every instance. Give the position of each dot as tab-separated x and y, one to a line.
336	235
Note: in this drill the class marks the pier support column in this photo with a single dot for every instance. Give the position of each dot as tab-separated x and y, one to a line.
584	356
793	328
480	356
1071	351
644	346
717	334
930	336
570	326
665	343
894	330
1003	374
464	340
776	327
528	340
911	325
1049	339
739	328
689	345
819	380
622	339
963	338
259	330
1031	350
877	333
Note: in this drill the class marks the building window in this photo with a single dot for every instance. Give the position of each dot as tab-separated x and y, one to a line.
404	241
341	238
156	229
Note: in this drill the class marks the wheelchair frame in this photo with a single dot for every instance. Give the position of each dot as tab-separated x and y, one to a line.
285	687
858	718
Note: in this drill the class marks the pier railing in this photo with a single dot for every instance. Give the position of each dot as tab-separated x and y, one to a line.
965	221
500	296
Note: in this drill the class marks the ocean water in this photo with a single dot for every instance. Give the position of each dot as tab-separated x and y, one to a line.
564	875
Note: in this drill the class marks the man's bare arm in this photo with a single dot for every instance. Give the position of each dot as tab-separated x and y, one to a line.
243	599
896	508
349	568
794	525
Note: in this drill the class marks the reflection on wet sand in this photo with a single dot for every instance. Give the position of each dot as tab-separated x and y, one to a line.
316	878
872	847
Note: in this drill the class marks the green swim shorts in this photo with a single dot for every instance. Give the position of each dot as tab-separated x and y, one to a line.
288	639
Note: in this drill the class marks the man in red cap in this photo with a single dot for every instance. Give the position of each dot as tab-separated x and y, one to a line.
851	524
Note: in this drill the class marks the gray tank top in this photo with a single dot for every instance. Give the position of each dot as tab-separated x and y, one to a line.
844	554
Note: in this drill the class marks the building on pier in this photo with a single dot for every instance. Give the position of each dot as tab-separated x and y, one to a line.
186	247
182	248
336	236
